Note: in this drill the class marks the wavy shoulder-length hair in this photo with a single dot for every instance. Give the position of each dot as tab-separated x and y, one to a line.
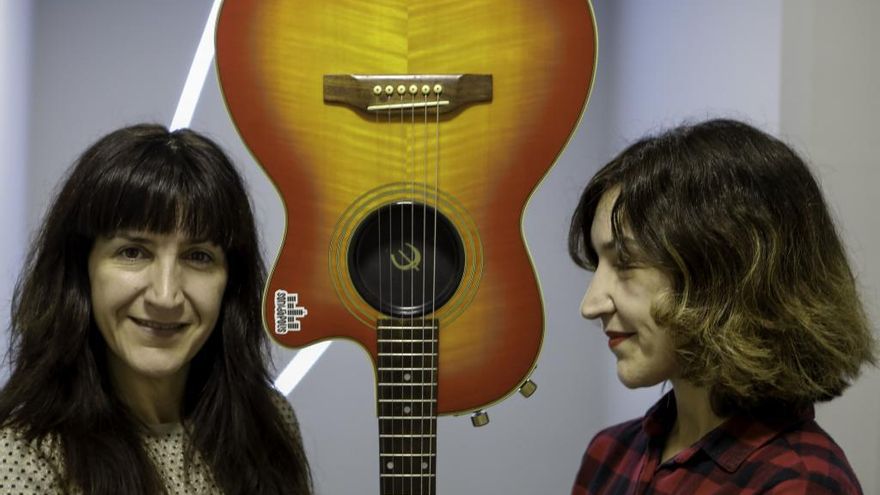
145	178
763	309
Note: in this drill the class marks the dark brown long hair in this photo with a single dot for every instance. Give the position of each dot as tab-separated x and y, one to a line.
764	309
146	178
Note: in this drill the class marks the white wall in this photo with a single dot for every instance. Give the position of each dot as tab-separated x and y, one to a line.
100	64
830	109
15	42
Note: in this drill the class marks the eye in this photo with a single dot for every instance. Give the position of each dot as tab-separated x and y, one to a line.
200	257
131	253
627	261
627	267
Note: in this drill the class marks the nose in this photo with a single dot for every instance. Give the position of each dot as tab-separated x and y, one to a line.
164	290
597	301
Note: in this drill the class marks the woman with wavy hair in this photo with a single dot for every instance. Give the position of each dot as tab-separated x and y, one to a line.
717	267
139	360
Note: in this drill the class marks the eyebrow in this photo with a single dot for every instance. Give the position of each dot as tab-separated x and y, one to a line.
139	238
132	237
628	243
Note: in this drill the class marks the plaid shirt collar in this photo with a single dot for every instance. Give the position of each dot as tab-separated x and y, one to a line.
731	443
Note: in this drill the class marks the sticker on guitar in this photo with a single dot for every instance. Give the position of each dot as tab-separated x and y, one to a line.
288	312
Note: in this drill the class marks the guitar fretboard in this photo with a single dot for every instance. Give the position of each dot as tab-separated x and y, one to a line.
407	408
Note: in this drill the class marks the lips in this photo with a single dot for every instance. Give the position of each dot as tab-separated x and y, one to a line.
615	338
159	326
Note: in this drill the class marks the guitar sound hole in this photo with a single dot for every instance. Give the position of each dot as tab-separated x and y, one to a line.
393	255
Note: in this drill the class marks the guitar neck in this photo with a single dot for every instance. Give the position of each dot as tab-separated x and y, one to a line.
407	405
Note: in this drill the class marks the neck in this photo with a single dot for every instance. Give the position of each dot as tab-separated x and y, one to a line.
152	400
694	419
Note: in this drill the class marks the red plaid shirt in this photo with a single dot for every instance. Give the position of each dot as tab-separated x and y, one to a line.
787	454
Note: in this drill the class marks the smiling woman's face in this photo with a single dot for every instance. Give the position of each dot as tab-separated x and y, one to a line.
155	299
620	296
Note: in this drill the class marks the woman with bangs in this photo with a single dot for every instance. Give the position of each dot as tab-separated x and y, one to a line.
139	361
717	267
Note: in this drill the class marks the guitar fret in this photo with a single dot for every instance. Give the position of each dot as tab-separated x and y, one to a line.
385	368
416	475
397	327
408	384
408	455
407	341
407	418
407	400
407	354
402	435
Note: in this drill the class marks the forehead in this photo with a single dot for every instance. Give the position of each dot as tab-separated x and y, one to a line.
153	236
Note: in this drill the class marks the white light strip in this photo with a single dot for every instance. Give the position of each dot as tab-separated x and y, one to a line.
297	368
303	361
198	72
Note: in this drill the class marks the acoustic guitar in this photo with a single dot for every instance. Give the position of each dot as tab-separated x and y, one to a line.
405	138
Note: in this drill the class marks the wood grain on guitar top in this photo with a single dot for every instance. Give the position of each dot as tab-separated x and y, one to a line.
331	163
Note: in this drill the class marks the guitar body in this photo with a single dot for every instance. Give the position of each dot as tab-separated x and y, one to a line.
338	168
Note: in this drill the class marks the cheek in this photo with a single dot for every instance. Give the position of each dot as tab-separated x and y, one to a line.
210	298
634	307
638	300
108	294
664	354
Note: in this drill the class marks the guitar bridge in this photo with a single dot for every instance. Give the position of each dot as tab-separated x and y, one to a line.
376	93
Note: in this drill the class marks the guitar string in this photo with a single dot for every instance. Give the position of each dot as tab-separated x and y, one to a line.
424	276
378	165
380	144
410	317
402	234
434	371
391	303
381	373
410	358
420	327
434	330
384	425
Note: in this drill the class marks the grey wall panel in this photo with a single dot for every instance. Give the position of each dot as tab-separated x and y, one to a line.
100	64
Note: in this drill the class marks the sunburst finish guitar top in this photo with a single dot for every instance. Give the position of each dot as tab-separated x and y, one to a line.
405	138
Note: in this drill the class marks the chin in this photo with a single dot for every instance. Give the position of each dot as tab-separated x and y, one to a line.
156	370
637	380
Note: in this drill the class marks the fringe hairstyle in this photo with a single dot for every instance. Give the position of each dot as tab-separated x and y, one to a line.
146	178
764	308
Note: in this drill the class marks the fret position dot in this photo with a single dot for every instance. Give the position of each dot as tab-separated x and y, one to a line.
407	376
424	466
407	409
390	465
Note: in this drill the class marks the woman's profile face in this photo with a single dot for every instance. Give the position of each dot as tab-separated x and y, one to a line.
620	295
155	299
